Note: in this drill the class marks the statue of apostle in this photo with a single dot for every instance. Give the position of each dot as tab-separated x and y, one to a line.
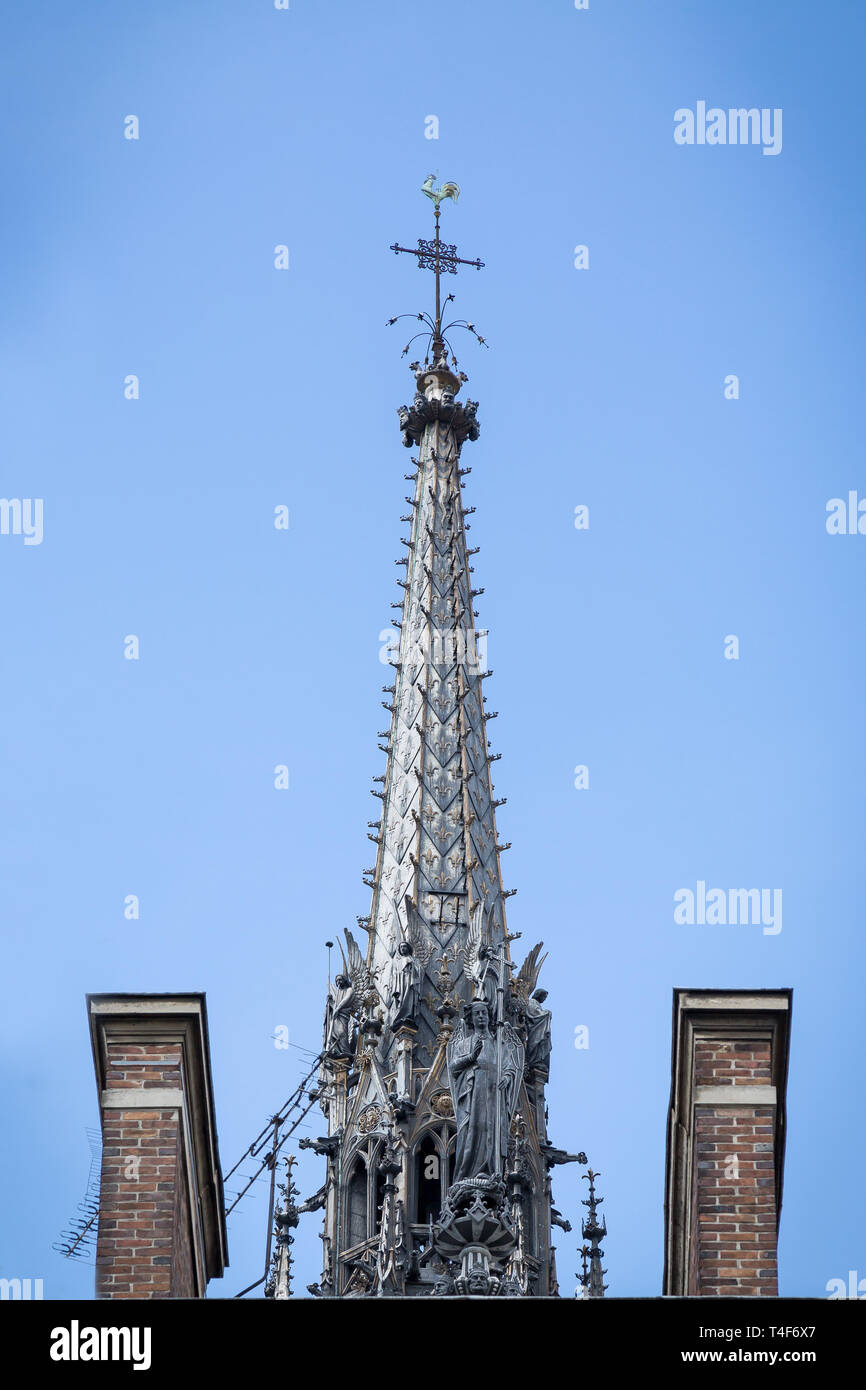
482	1086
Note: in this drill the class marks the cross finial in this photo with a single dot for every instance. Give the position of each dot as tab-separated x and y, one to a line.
442	259
594	1231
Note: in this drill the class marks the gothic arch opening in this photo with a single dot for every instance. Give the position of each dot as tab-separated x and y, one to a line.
428	1181
356	1204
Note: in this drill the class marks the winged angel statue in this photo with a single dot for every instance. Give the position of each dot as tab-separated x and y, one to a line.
351	989
407	971
477	957
537	1017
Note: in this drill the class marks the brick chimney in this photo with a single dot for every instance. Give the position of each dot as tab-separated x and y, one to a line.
161	1225
726	1142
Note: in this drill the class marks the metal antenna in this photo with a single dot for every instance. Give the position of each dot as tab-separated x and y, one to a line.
270	1130
78	1242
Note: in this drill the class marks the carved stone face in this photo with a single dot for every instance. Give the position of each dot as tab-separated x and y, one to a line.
443	1105
480	1019
405	948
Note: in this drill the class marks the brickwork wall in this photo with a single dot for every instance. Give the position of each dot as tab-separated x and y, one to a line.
143	1242
182	1280
734	1250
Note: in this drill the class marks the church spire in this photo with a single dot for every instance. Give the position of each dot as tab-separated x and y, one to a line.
438	852
436	1053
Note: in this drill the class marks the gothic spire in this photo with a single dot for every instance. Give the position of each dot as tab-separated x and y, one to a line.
438	853
435	1055
592	1255
279	1285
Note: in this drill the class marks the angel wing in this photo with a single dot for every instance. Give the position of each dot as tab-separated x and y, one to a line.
475	951
422	945
454	1047
513	1058
356	969
530	970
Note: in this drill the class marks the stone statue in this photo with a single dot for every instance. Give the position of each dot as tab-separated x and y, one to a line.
407	970
338	1017
538	1042
405	986
477	956
473	1068
536	1019
353	990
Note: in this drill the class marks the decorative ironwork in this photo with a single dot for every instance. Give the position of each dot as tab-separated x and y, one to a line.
433	253
441	257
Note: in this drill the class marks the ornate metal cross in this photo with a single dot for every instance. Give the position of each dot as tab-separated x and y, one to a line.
438	256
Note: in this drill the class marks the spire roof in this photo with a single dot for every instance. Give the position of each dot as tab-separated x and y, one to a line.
438	850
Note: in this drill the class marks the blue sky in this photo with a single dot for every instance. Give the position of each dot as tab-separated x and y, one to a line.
601	387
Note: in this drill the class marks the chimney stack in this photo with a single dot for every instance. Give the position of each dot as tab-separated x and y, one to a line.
726	1142
161	1224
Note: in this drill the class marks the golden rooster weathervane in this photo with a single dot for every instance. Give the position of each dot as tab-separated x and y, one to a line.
445	190
441	258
